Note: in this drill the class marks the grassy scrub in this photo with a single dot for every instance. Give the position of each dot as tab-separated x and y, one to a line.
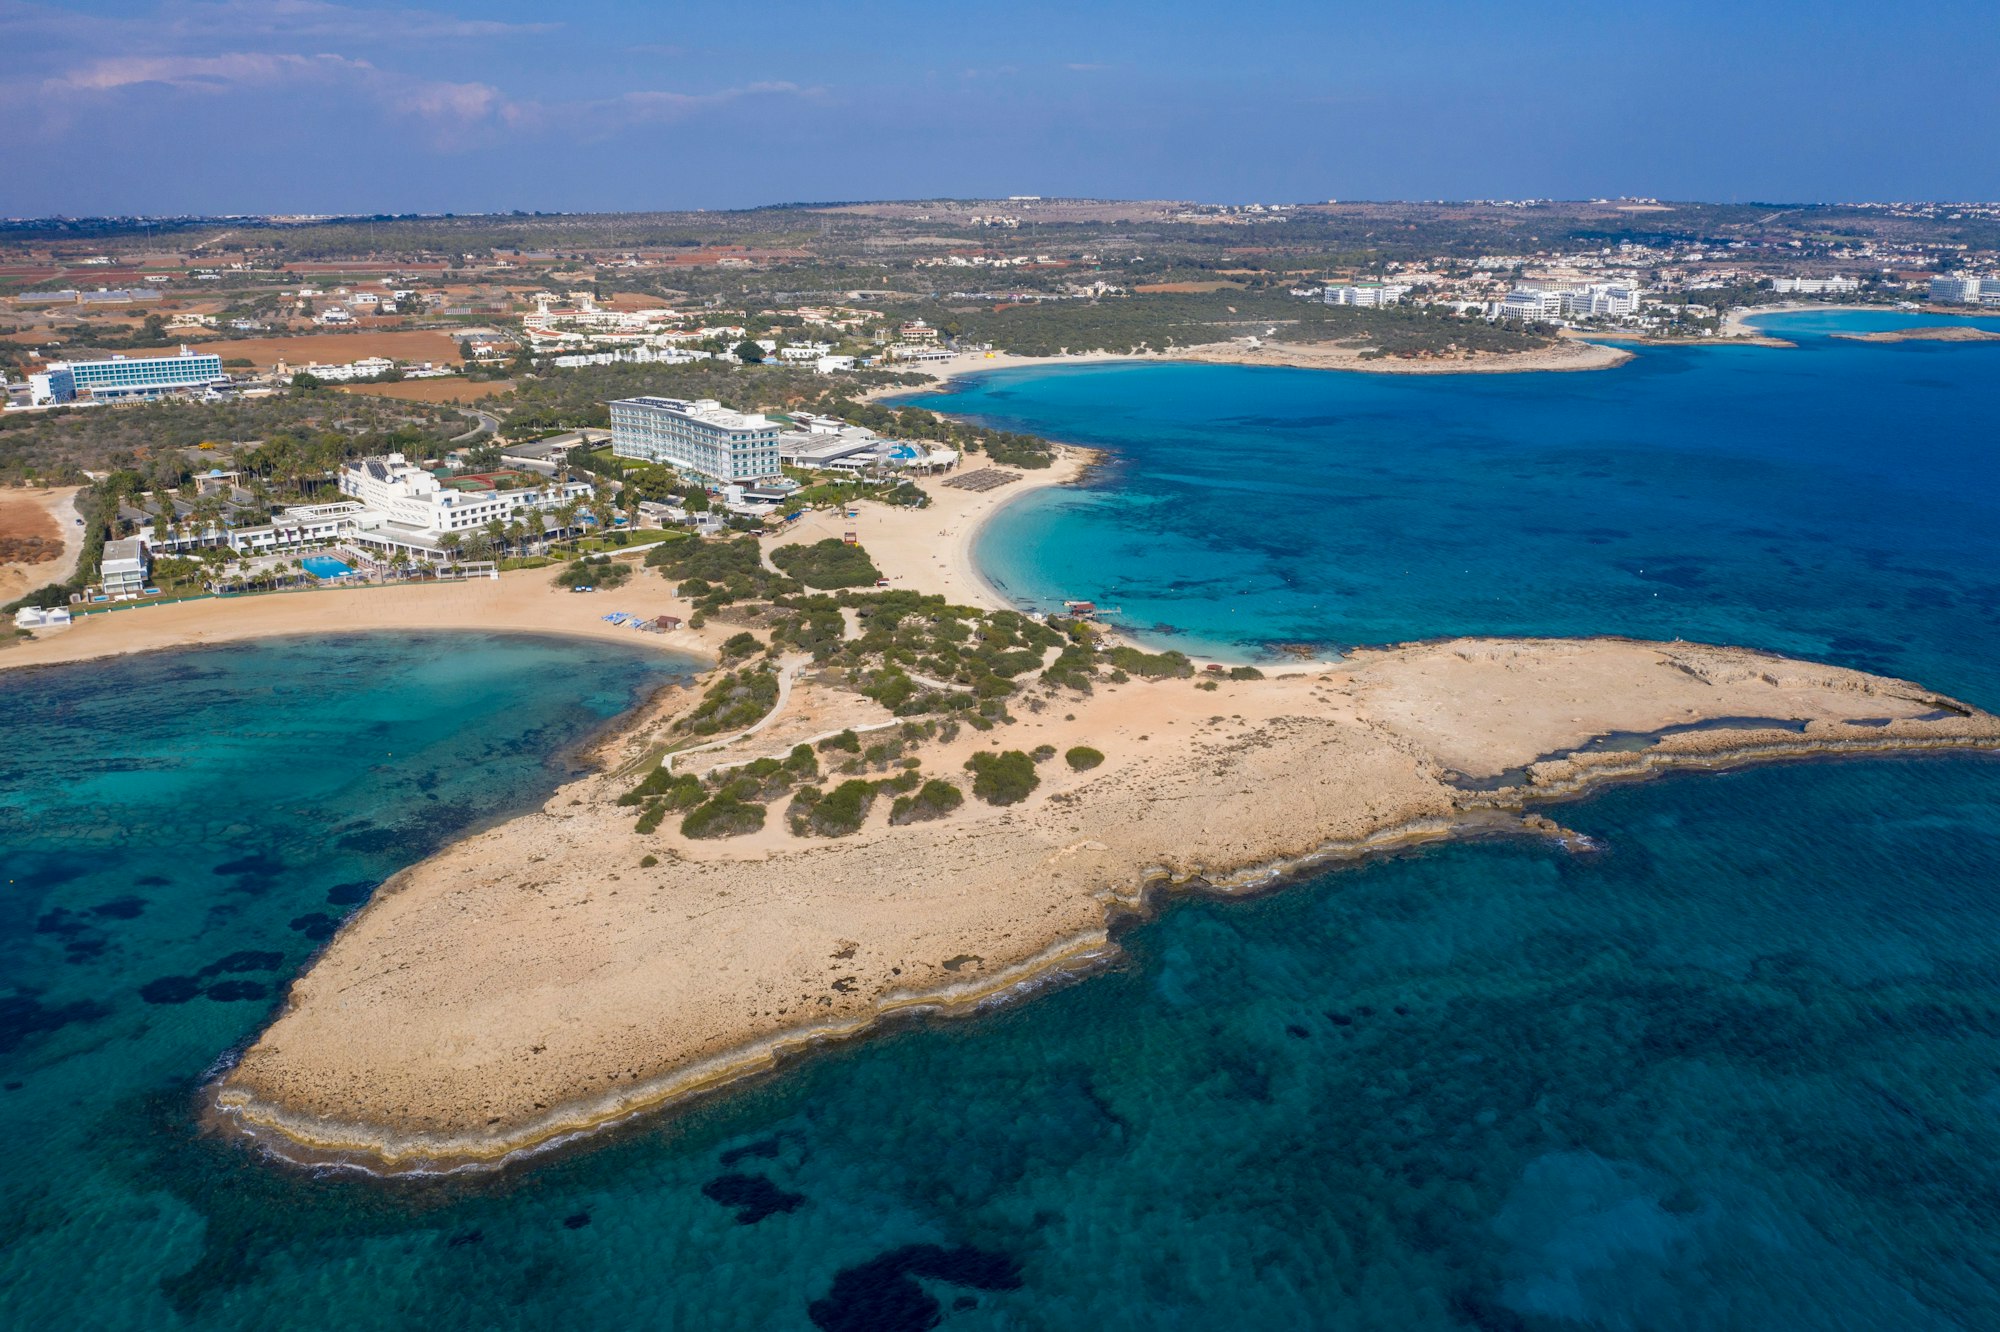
828	564
1005	778
737	700
935	799
599	571
1083	758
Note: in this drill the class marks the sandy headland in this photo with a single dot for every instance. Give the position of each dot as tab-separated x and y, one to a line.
1927	333
536	982
1568	354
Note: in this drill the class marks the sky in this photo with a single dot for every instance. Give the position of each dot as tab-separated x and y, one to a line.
306	106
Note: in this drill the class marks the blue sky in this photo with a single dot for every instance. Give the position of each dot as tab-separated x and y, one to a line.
167	106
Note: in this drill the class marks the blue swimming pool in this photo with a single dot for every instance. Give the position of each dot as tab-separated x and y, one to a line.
325	566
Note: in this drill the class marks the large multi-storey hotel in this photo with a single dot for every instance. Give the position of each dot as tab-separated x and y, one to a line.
702	437
426	506
126	377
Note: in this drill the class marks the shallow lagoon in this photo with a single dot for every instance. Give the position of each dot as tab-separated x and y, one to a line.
1740	1069
1839	501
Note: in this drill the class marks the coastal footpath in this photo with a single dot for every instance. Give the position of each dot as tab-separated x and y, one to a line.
543	980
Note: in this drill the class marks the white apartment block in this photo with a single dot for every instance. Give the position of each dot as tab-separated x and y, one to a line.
1815	286
702	437
1960	289
1528	303
1370	294
1600	298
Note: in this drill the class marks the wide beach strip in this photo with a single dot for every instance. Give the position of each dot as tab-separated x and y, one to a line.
535	982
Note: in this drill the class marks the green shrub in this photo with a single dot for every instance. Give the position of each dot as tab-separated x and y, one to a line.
1043	753
842	810
1245	673
1151	665
735	701
1083	758
831	563
595	571
722	816
1004	778
846	740
647	862
935	799
745	644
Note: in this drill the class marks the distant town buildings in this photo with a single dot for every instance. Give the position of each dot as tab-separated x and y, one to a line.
701	437
1826	286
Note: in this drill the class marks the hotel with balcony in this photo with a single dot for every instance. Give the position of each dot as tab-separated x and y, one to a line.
702	438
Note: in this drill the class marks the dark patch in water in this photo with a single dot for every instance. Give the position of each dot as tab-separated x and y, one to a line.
248	959
576	1221
1295	1031
170	990
350	894
61	921
151	881
465	1237
120	908
256	864
226	991
879	1295
753	1197
83	950
371	840
315	925
22	1016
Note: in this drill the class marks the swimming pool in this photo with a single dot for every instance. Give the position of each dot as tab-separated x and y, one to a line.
325	566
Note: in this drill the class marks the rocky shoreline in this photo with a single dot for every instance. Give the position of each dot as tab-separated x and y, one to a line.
431	1037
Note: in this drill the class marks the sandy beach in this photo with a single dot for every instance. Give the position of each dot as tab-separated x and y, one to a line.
526	601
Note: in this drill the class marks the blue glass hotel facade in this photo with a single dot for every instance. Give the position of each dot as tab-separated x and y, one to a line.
128	377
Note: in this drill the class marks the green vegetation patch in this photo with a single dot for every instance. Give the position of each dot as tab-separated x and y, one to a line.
1005	778
595	571
830	564
1150	665
739	699
722	815
935	799
1083	758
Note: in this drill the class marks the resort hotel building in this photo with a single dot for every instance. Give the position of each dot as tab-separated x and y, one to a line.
126	377
403	507
703	438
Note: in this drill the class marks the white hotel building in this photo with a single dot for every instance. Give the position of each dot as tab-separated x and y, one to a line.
701	437
411	508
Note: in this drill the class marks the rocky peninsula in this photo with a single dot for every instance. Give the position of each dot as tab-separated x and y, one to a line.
565	971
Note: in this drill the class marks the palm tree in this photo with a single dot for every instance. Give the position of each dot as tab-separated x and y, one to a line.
517	535
449	544
566	518
496	531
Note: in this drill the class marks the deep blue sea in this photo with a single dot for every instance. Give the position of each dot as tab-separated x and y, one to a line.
1739	1070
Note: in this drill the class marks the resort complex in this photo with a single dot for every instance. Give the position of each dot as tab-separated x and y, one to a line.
703	438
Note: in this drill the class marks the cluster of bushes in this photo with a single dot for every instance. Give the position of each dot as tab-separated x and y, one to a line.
1005	778
1083	758
830	564
715	574
595	571
1150	665
737	700
933	800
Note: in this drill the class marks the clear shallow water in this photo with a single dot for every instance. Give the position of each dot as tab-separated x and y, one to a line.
1839	501
1740	1070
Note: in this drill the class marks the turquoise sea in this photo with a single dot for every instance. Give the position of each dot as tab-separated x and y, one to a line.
1740	1069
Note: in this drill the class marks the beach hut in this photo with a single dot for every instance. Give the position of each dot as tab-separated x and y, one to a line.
28	617
58	616
669	623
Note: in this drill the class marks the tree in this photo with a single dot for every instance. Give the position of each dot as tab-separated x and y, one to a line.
449	544
749	352
496	532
